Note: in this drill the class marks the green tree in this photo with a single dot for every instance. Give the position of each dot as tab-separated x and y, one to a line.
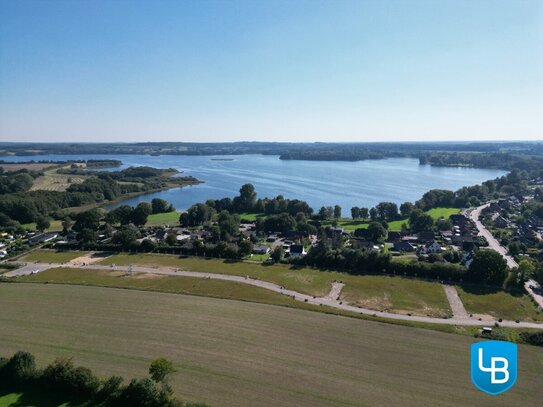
87	220
420	221
376	232
277	254
171	239
160	369
160	206
42	223
488	267
355	212
337	211
245	247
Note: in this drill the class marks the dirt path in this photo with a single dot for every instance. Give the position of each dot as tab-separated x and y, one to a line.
295	295
335	291
455	302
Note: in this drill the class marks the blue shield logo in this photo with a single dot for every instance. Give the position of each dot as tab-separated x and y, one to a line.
494	366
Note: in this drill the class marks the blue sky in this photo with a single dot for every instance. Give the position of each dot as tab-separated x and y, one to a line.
270	70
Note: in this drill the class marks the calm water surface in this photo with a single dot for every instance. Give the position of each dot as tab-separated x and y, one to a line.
361	183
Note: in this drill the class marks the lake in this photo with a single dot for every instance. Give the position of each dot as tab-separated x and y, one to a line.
320	183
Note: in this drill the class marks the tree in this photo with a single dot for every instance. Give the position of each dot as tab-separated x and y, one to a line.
420	221
42	223
376	232
337	211
406	208
160	206
246	200
139	216
87	236
228	224
87	220
277	253
364	213
121	214
160	369
147	245
245	247
355	212
21	366
67	223
171	239
488	267
125	237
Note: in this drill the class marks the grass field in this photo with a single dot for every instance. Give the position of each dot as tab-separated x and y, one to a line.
375	292
56	225
499	304
232	353
163	219
51	256
34	399
394	226
397	294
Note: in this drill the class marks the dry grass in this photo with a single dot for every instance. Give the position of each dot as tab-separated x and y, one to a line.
232	353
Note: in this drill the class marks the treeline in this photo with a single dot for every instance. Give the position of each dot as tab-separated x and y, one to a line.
504	161
338	155
64	382
18	205
488	267
183	148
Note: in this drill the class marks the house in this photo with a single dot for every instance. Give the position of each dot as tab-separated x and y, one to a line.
394	237
297	250
500	221
43	237
432	247
363	244
404	246
426	237
261	249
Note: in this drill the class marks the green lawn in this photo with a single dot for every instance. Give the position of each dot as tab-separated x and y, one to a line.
163	219
499	304
56	225
34	399
234	353
374	292
259	257
394	226
251	216
51	256
397	294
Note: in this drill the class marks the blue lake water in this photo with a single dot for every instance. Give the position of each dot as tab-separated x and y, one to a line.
360	183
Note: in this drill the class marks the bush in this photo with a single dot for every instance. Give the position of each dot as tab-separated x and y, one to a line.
21	367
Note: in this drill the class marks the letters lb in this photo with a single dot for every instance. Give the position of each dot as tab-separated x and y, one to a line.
494	366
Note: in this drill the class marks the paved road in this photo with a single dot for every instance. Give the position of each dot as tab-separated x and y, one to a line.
304	297
492	242
536	292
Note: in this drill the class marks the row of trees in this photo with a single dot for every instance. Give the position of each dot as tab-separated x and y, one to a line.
65	382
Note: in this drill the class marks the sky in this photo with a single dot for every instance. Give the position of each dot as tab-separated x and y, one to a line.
271	70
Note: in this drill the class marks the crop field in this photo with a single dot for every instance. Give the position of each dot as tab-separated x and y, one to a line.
499	304
53	181
233	353
51	256
12	167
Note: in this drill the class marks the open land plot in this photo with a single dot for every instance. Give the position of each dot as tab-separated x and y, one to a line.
394	226
51	256
11	167
374	292
163	219
53	181
55	225
232	353
499	304
398	295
